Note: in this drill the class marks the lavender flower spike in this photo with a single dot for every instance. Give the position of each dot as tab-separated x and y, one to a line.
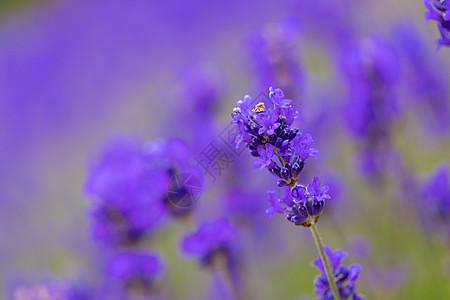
266	131
439	11
345	277
300	205
271	133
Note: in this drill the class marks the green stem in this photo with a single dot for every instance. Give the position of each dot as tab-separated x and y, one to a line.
281	161
326	263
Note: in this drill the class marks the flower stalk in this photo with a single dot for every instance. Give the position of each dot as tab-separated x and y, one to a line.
325	261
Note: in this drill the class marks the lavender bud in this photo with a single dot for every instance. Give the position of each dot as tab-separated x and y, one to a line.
277	170
295	170
293	134
314	207
281	183
278	142
289	167
287	133
254	153
284	173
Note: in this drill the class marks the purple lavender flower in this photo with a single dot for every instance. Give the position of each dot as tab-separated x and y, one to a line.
173	156
242	136
127	194
265	157
277	98
129	186
287	198
319	193
345	277
439	11
243	110
372	71
274	51
301	146
267	132
275	207
211	239
126	265
131	274
425	86
300	205
268	122
434	204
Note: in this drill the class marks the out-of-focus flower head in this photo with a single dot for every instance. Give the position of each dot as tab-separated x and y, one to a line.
345	277
204	87
129	183
300	204
439	11
126	193
372	69
132	274
266	130
275	54
434	204
173	155
425	79
212	239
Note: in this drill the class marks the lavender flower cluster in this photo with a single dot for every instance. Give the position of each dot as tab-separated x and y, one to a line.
134	199
266	130
439	11
345	276
268	134
129	186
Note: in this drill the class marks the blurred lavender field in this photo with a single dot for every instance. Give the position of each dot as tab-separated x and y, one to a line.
106	106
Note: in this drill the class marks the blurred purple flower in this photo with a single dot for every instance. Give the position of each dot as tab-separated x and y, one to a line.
345	277
210	239
126	266
132	275
425	81
372	71
434	204
274	51
127	193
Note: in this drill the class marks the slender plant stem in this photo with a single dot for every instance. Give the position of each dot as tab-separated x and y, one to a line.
326	263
